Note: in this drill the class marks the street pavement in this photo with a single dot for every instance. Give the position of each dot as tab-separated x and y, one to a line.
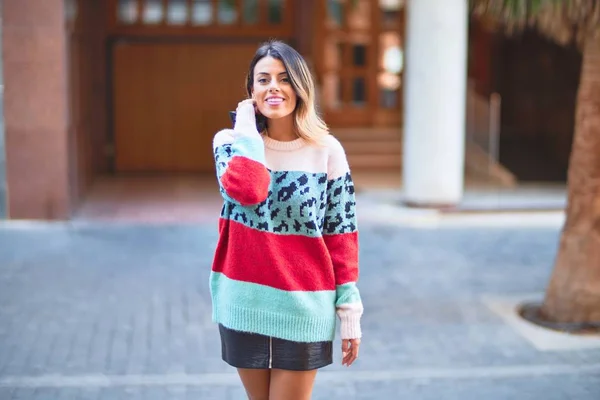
122	311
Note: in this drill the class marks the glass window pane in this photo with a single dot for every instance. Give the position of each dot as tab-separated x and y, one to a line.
227	12
153	12
359	55
389	98
250	10
177	13
335	12
202	12
128	11
275	11
389	87
359	95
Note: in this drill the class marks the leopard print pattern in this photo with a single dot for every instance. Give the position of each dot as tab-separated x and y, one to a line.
300	203
341	214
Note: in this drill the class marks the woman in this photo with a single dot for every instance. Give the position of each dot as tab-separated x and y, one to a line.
287	257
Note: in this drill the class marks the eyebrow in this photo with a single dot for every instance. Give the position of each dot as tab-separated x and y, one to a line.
265	73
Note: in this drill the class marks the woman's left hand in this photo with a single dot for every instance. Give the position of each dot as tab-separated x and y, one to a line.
350	351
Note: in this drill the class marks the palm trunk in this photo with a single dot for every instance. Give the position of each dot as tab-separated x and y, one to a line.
573	294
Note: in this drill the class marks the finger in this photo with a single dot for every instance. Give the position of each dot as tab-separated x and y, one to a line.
345	350
345	345
355	341
352	356
347	359
353	353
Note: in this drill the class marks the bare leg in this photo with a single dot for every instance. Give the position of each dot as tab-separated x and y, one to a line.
291	385
256	382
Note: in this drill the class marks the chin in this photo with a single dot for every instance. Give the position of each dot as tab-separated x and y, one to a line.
276	114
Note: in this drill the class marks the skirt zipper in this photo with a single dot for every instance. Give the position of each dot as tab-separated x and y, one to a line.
270	352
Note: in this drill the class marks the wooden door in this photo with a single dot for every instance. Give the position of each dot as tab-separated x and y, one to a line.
169	101
359	47
178	67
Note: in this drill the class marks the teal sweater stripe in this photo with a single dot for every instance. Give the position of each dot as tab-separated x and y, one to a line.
347	293
290	315
251	147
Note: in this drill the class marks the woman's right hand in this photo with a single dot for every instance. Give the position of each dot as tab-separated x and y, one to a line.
245	120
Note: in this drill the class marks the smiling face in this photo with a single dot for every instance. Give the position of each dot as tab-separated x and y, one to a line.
272	89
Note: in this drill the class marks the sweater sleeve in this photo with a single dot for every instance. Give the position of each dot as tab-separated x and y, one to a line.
240	164
340	233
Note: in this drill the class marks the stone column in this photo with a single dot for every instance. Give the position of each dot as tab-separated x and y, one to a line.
435	98
36	109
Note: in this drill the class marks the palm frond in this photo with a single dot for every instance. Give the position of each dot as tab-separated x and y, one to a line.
562	20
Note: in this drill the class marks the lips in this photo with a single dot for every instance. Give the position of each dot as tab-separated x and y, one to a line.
274	101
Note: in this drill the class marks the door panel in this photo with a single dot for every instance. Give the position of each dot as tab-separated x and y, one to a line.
169	101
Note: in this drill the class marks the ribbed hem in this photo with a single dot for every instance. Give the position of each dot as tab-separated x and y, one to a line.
283	146
350	326
288	327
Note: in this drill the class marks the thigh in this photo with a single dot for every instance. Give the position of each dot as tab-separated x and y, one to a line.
256	382
291	385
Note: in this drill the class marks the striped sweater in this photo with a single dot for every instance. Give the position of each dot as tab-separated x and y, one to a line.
287	257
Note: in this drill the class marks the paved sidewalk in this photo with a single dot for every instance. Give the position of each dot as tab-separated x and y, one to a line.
114	312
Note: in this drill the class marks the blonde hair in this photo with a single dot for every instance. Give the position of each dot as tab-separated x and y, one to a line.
309	125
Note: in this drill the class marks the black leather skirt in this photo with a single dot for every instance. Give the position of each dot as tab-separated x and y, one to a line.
249	350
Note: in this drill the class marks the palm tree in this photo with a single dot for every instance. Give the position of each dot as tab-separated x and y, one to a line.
573	294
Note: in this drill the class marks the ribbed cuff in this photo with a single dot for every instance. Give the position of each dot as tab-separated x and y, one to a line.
245	128
350	325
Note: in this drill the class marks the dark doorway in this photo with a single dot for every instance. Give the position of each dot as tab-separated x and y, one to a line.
538	81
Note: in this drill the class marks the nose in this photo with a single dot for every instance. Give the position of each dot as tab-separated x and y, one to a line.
274	86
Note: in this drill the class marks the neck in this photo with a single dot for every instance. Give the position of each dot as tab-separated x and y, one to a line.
282	129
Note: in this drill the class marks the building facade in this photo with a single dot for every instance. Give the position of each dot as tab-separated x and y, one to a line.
96	87
134	86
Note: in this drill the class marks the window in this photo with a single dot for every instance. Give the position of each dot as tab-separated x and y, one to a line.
250	12
275	14
202	13
128	11
153	12
177	12
227	12
257	18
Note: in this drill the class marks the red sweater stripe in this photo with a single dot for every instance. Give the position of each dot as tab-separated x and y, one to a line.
343	248
286	262
246	180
